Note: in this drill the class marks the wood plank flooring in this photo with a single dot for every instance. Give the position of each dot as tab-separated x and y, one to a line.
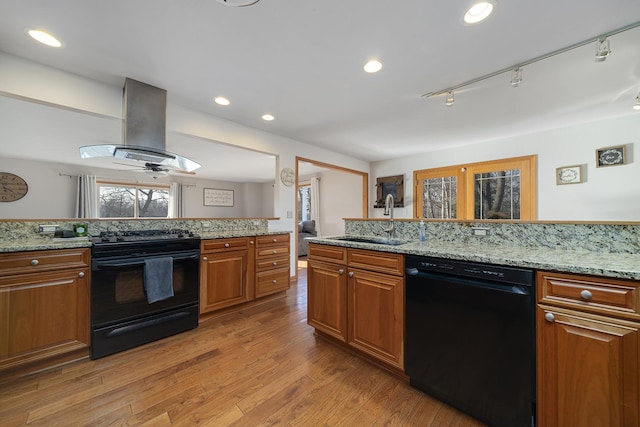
262	366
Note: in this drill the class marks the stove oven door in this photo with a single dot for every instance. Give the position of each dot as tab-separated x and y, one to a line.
121	316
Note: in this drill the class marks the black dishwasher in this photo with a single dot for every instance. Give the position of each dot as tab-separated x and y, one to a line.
469	337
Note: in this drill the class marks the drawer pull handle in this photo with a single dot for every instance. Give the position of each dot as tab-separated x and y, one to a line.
274	281
204	258
549	317
585	294
275	240
81	274
251	242
275	251
275	263
35	262
226	245
341	271
351	274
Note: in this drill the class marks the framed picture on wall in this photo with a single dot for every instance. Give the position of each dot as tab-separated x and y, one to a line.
217	197
569	175
611	156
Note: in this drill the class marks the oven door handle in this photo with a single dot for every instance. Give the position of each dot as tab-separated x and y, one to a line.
138	261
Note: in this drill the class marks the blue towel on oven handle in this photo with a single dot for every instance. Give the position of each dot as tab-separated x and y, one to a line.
158	278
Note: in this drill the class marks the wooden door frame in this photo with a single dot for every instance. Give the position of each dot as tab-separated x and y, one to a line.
365	195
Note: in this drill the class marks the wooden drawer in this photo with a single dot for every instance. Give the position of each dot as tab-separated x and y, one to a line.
272	263
598	295
34	261
271	281
376	261
221	245
274	239
332	254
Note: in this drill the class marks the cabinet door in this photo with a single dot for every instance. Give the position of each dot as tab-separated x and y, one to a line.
587	370
223	280
43	315
327	298
376	315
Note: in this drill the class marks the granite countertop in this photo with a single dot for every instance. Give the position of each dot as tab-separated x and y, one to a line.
40	243
617	265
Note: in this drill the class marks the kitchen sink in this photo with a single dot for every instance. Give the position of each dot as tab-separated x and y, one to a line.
370	239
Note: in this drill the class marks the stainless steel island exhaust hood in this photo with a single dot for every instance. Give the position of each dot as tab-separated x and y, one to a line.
144	131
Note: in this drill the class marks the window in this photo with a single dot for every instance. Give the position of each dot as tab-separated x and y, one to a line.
118	200
498	189
304	203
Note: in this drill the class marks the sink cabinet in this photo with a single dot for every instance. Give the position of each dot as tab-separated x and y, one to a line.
44	308
357	297
588	340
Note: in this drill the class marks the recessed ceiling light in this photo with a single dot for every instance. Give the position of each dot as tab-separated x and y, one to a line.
373	66
44	37
238	3
221	100
268	117
479	12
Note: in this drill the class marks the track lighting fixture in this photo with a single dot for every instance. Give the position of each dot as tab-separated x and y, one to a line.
602	49
636	106
516	77
450	99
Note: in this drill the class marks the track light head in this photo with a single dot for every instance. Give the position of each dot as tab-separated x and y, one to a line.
602	50
516	77
450	99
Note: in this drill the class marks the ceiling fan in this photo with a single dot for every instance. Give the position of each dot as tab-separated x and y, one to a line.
153	169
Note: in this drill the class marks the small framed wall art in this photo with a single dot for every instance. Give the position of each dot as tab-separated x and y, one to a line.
611	156
217	197
569	175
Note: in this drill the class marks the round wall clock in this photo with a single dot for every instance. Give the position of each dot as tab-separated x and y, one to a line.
288	177
12	187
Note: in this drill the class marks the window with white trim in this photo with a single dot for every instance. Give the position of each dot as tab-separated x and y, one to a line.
119	200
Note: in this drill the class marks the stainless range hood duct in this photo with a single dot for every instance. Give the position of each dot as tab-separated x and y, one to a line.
144	132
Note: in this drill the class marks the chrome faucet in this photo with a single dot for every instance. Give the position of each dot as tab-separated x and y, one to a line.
388	210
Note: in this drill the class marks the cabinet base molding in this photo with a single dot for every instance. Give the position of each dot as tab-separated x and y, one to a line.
239	307
21	368
374	361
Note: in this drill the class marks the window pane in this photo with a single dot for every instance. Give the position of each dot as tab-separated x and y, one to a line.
304	203
153	203
439	197
117	202
497	195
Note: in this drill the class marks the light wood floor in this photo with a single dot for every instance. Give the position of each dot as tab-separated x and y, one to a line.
261	366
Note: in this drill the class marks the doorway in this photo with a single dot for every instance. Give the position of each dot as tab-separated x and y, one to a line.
342	194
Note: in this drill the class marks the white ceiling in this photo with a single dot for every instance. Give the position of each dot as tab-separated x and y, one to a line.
301	60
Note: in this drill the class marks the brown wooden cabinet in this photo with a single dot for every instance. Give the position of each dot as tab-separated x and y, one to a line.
226	272
240	269
44	308
365	308
327	290
588	344
272	264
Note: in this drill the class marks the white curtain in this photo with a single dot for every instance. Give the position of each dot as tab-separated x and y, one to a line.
175	200
315	203
87	197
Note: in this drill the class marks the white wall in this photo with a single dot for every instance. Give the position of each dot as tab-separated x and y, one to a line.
52	195
607	193
341	197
